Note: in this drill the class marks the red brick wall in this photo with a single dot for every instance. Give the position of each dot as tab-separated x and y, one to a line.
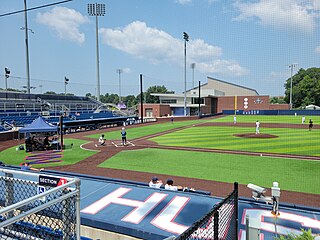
157	109
279	107
253	103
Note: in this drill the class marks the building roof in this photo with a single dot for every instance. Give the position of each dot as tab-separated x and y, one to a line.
232	84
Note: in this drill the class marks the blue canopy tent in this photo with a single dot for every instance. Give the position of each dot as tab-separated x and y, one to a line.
39	125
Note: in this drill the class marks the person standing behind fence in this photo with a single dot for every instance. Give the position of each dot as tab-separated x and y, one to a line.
124	136
27	166
257	127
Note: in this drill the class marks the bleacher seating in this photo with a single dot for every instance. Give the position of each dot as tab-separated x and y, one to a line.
21	102
2	129
92	115
22	108
22	228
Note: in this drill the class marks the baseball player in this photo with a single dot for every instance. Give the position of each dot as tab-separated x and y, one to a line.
257	127
124	136
101	141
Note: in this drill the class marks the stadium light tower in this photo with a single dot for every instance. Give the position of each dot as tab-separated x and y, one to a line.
66	81
186	39
97	9
291	66
119	71
6	76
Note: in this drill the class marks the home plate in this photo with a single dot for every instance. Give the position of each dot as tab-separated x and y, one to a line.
120	144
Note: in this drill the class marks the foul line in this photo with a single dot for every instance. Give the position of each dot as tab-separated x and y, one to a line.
120	144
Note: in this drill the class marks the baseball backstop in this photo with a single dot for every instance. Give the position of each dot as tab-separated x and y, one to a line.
38	206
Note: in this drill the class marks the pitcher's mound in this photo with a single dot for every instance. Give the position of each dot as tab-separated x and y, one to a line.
253	135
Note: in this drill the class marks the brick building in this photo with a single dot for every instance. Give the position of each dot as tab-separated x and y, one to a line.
215	96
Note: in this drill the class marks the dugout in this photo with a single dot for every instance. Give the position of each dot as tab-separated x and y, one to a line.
91	124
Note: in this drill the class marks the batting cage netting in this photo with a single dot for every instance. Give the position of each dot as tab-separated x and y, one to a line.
38	206
221	223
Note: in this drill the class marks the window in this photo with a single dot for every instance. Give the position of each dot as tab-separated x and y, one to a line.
196	100
169	101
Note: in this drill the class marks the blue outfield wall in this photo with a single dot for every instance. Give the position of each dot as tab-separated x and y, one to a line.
274	112
132	208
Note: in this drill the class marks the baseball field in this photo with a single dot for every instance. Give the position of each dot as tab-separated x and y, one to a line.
212	151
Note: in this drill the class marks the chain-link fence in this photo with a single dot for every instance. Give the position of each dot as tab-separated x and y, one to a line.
48	209
220	223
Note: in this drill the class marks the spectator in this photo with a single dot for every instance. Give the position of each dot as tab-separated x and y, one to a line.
101	141
155	182
27	166
170	186
46	143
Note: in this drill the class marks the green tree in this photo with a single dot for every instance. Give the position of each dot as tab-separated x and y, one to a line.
155	89
90	95
130	101
305	88
277	100
109	98
50	92
306	235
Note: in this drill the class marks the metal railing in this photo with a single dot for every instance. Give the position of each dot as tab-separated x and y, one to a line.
38	210
220	223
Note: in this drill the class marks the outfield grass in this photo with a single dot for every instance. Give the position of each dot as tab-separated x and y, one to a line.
146	130
73	155
268	119
293	175
289	140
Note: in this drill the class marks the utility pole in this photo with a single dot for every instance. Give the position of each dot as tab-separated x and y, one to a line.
291	66
141	98
119	71
27	45
186	39
193	66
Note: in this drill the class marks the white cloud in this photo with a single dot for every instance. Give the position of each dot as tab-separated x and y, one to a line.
126	70
223	67
157	46
295	14
316	4
65	22
183	1
318	49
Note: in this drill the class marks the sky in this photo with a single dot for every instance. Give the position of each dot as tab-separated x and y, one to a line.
250	43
